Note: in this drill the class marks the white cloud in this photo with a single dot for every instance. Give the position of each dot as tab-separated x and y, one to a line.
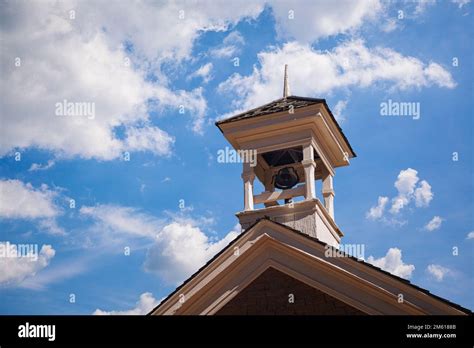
338	109
436	73
423	194
88	72
392	262
405	185
181	249
51	226
144	305
58	273
149	139
434	223
317	73
461	3
234	38
177	24
203	72
224	51
438	272
390	25
318	19
85	60
231	45
176	245
35	166
377	211
123	220
470	235
409	188
14	270
422	5
22	201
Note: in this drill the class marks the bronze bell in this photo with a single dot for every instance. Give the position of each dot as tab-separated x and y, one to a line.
286	178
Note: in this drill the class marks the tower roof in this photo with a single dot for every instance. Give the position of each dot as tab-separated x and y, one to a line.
280	105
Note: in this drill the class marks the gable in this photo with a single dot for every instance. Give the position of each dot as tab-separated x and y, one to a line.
270	244
276	293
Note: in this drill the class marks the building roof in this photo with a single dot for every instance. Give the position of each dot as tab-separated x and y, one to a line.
407	282
275	106
283	104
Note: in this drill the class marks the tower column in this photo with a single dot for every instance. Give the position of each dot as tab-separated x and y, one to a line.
328	192
309	166
248	176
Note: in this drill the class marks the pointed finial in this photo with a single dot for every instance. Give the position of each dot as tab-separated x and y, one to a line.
286	86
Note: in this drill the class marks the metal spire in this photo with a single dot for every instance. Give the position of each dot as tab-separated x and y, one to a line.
286	86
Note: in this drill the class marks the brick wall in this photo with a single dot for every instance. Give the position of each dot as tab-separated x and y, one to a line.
269	294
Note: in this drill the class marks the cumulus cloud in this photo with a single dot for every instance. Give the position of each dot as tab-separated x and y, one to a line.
231	45
150	139
307	21
438	272
405	185
406	182
176	244
434	223
423	194
317	73
89	73
204	72
410	189
100	55
19	200
392	262
181	249
377	211
14	270
22	201
144	305
470	235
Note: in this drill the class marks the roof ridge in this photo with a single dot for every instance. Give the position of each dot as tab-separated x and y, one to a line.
266	218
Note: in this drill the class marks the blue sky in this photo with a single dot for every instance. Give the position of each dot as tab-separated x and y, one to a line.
159	75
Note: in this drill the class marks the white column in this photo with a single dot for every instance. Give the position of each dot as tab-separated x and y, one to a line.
248	177
309	166
328	193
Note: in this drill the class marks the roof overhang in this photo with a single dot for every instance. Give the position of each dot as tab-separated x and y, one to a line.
269	244
313	123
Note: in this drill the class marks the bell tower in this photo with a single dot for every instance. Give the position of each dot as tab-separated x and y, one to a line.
297	142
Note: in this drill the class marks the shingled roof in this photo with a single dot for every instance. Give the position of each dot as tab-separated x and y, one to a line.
363	262
283	104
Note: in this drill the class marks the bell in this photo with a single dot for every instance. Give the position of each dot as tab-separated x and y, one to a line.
286	178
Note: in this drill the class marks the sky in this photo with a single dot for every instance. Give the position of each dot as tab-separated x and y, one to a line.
108	148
